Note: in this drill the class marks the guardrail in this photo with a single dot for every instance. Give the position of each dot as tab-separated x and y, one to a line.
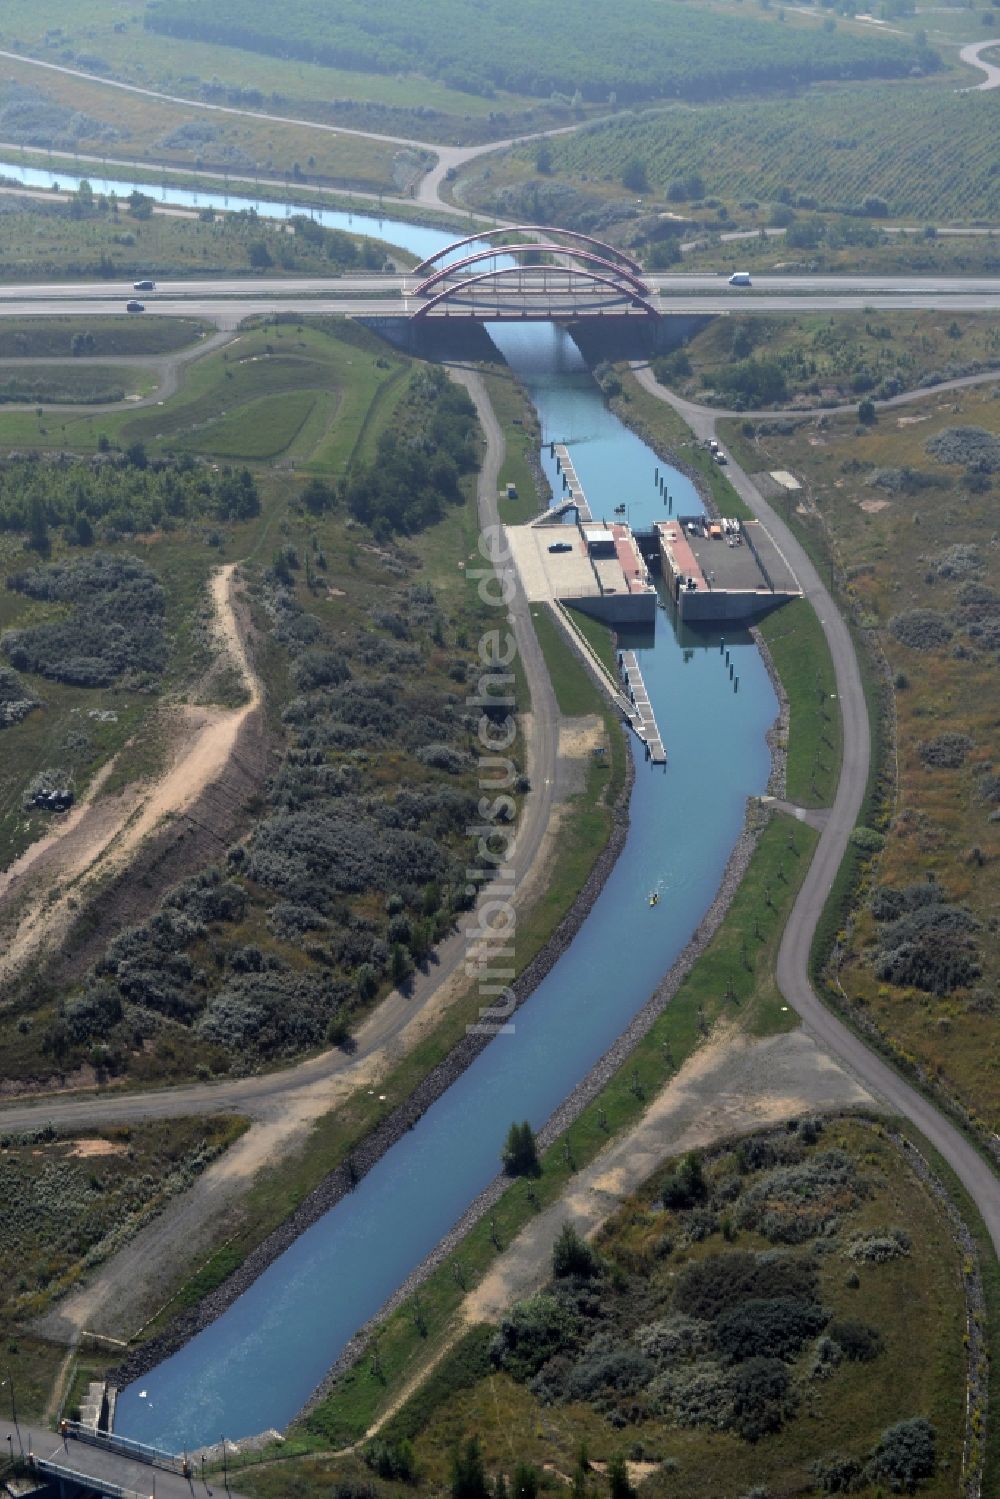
127	1447
108	1489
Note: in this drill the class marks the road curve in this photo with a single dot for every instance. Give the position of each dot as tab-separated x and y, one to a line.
970	55
793	955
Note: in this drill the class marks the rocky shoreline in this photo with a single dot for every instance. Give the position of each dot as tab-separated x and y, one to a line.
345	1177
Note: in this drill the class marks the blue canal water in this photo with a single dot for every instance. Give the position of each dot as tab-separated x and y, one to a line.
417	238
254	1367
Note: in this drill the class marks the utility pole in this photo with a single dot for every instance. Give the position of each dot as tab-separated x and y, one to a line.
13	1410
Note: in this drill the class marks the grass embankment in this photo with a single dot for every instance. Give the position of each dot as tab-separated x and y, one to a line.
655	1263
70	1201
286	390
109	337
906	531
522	439
599	637
88	384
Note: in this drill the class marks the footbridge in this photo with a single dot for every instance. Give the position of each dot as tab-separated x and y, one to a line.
532	273
79	1463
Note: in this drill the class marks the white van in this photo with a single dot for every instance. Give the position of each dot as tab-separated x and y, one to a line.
740	278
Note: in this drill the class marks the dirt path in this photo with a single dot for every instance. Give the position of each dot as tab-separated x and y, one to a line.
166	367
970	55
729	1087
109	831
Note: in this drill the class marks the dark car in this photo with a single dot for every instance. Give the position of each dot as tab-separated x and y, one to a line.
143	285
135	306
560	546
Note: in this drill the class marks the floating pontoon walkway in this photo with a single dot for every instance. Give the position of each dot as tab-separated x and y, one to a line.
646	728
573	489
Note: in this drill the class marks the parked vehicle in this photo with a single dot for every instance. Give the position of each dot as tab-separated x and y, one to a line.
560	546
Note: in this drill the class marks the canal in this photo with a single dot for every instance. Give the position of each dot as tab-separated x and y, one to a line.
254	1367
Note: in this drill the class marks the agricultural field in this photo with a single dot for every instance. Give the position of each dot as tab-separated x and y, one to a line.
756	360
92	237
916	151
907	505
42	108
69	1203
834	243
745	1323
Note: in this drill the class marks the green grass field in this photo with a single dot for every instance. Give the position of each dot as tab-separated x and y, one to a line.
52	337
68	383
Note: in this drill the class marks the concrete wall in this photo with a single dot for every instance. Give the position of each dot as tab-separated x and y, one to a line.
616	608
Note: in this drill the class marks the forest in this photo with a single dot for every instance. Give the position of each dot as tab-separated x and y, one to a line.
657	49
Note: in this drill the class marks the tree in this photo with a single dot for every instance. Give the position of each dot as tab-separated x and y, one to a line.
687	1185
468	1477
38	526
543	158
318	497
84	531
139	206
619	1483
572	1255
866	412
520	1151
259	255
525	1482
635	176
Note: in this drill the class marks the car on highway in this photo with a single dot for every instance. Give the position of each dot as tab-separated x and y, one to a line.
135	306
560	546
143	285
740	278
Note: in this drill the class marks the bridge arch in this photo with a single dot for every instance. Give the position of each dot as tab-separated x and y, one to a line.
596	246
620	290
588	258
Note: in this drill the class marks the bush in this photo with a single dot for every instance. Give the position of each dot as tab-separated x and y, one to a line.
774	1328
921	629
905	1454
857	1341
531	1333
687	1185
946	752
974	447
928	944
707	1288
618	1367
573	1256
114	631
16	700
878	1248
794	1203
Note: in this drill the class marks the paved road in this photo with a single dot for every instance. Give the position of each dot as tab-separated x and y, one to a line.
793	955
970	54
670	285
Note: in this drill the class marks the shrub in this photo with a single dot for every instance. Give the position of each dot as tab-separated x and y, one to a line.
963	560
974	447
856	1340
706	1288
675	1339
16	700
763	1398
928	945
531	1333
878	1248
573	1256
945	752
391	1460
114	631
794	1203
618	1367
905	1454
687	1185
697	1396
774	1328
921	629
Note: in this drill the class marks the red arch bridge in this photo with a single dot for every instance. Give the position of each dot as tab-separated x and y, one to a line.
536	273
